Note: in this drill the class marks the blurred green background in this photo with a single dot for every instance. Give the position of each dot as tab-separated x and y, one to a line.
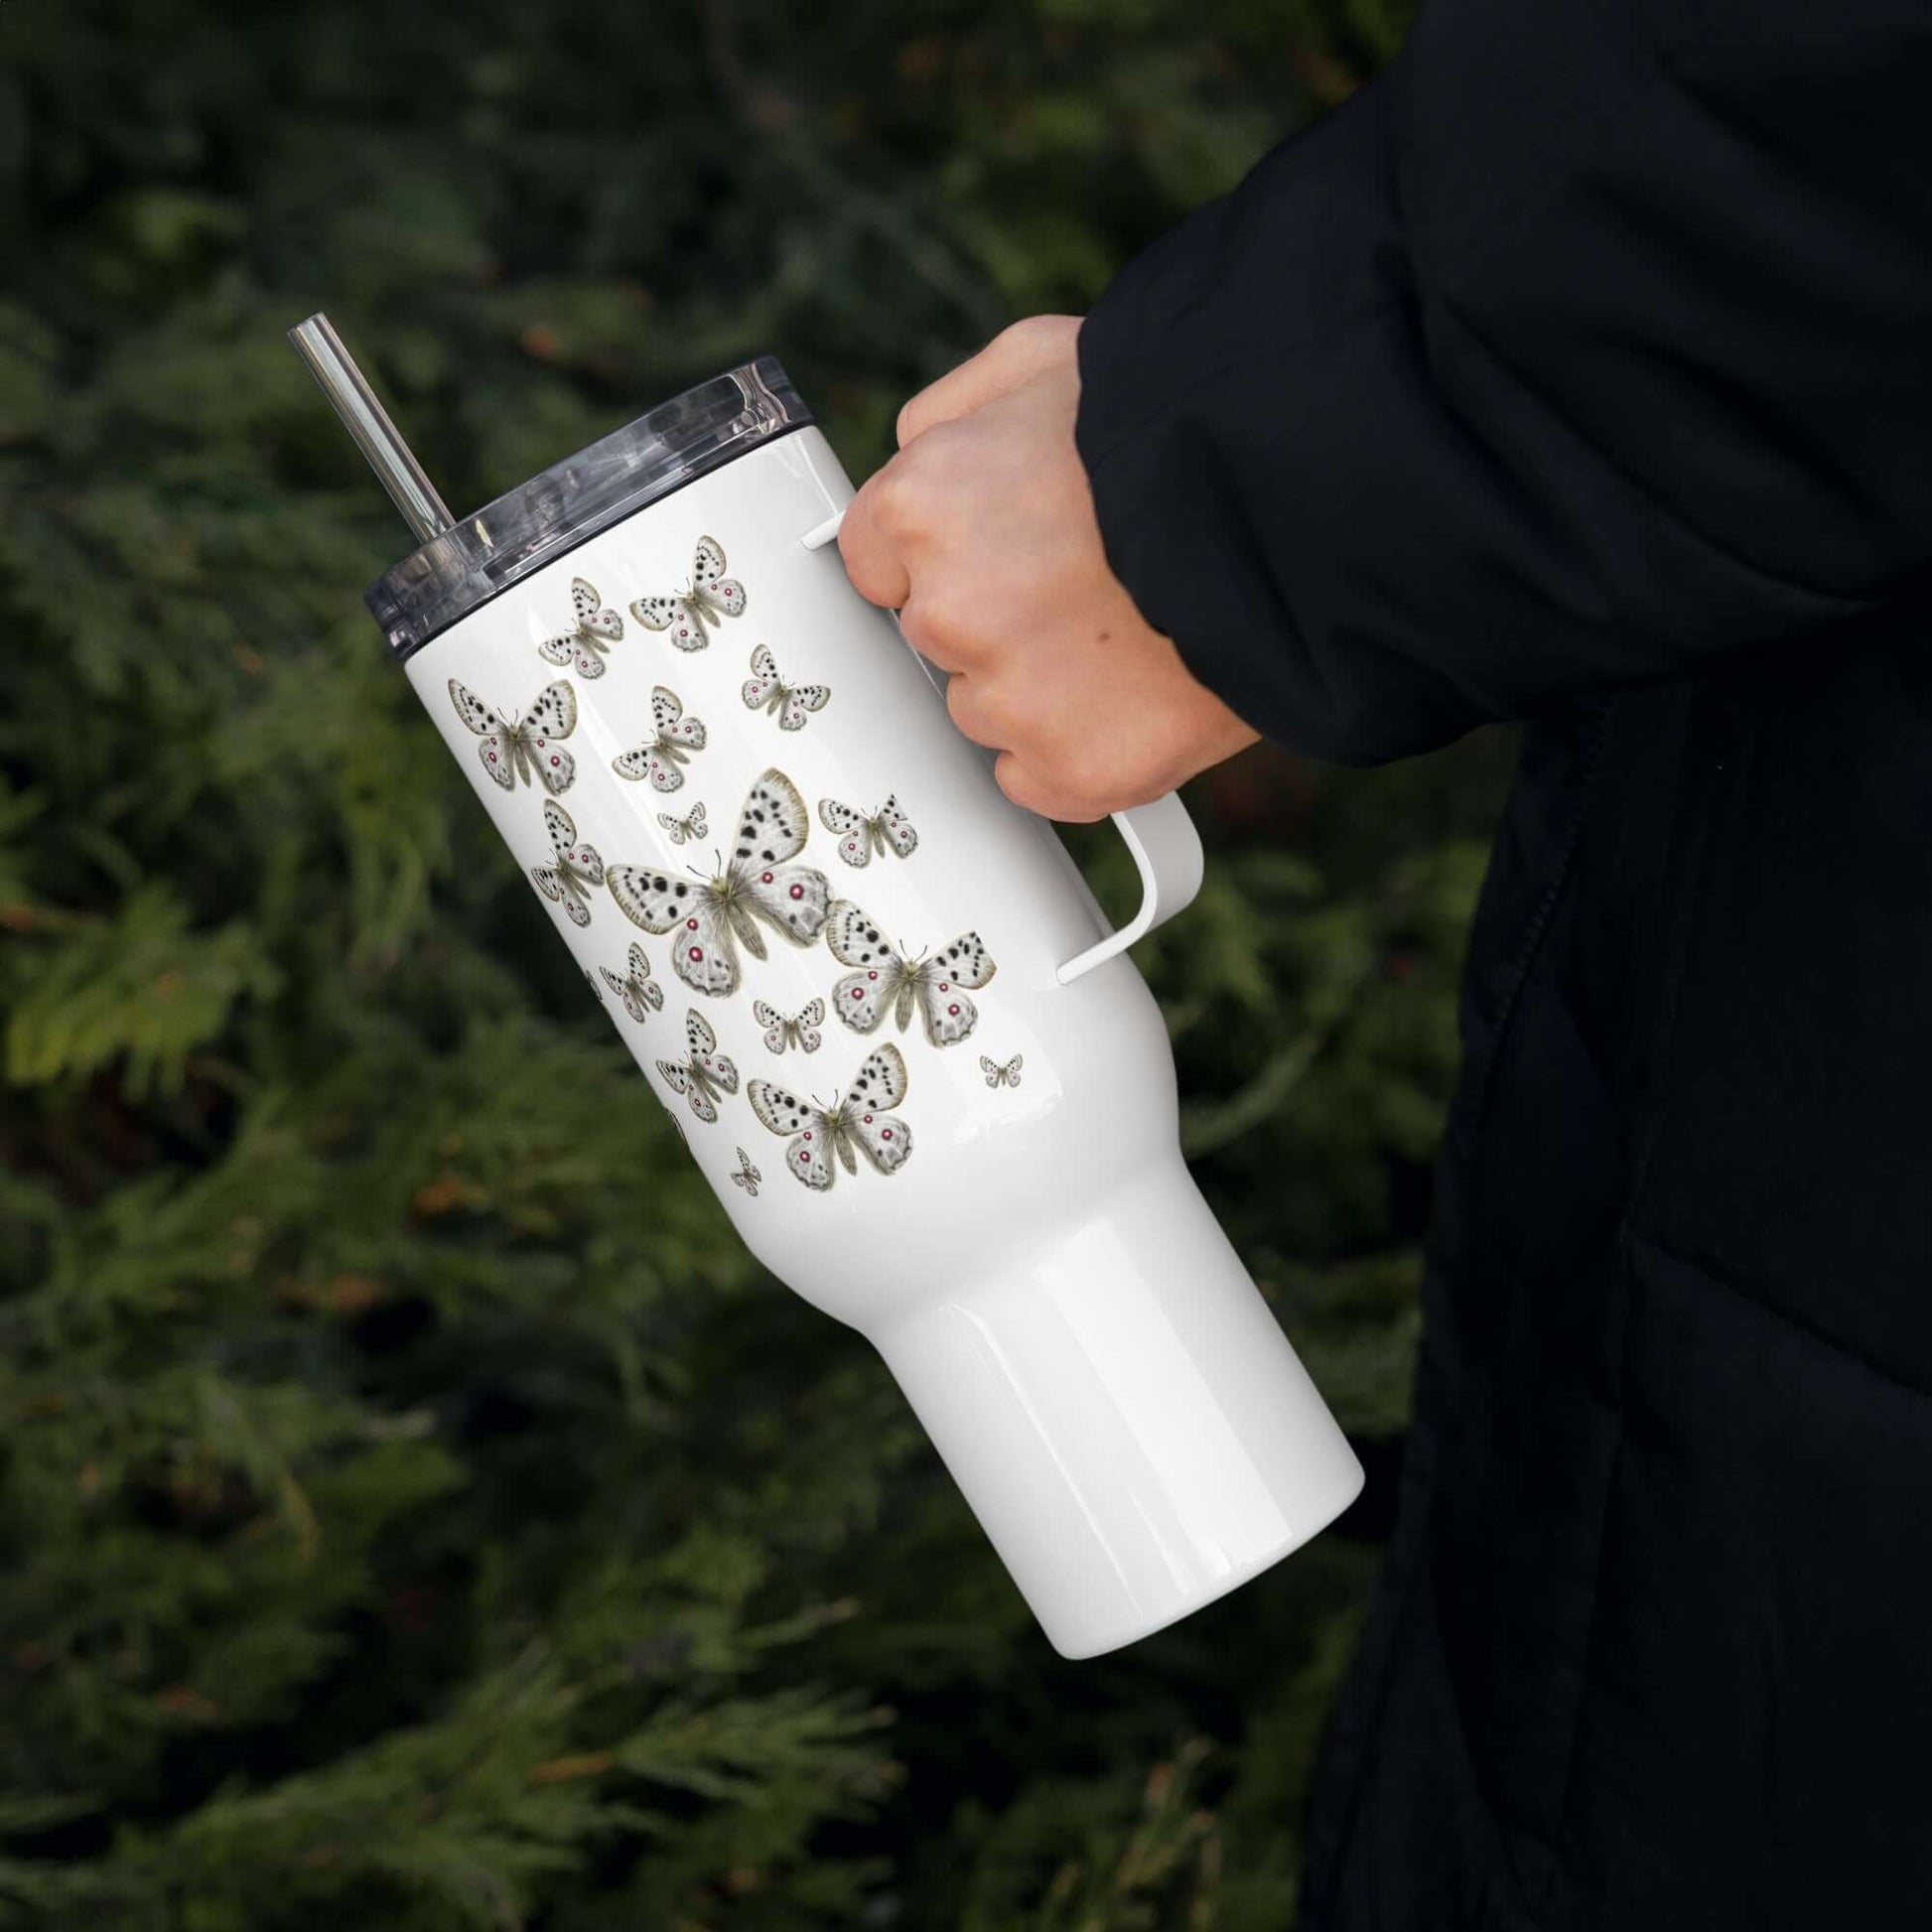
391	1538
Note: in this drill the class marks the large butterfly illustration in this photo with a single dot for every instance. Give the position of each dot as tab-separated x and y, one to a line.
634	985
823	1138
709	595
703	1072
713	918
799	1030
1002	1076
578	868
886	980
861	834
679	830
593	628
660	756
525	748
792	702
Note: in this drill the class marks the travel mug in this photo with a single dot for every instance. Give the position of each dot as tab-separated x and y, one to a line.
932	1091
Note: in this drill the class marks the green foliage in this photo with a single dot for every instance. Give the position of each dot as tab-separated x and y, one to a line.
418	1511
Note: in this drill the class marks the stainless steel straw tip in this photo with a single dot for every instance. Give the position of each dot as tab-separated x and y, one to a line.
368	422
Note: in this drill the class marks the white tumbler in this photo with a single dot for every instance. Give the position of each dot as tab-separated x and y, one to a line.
932	1091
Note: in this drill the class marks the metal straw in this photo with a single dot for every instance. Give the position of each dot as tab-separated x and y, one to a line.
365	419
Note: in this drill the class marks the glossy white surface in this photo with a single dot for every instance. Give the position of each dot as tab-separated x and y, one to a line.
1104	1381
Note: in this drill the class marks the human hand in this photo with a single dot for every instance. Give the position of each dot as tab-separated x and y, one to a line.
981	533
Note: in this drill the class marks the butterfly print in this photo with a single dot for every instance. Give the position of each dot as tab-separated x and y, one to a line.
681	829
746	1175
823	1138
710	596
590	980
578	868
801	1030
674	737
592	629
704	1074
792	702
634	986
1000	1076
886	980
713	918
861	834
528	748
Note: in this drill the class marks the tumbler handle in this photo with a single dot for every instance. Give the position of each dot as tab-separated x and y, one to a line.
1162	837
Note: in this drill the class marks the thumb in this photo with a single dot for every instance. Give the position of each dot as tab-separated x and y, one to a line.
1013	358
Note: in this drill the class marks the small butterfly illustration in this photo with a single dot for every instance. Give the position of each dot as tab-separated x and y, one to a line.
661	756
885	978
799	1030
860	1120
704	1074
578	868
861	834
691	828
792	702
590	980
634	985
526	747
746	1175
711	594
1000	1076
586	643
714	917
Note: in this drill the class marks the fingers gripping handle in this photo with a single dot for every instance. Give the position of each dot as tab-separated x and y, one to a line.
1162	837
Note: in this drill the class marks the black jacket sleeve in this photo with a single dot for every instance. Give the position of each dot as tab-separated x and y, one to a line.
1587	345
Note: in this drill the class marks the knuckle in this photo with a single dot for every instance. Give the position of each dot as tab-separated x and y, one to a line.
939	627
894	499
1090	779
906	490
967	710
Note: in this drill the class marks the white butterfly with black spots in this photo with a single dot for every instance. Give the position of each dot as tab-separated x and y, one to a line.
593	630
527	747
713	918
746	1175
662	756
823	1138
1000	1076
679	830
861	834
799	1030
704	1074
634	985
710	596
578	868
792	702
886	980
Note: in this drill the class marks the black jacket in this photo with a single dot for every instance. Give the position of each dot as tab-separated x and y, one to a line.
1579	370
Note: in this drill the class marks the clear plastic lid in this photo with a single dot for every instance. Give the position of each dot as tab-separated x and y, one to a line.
536	522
